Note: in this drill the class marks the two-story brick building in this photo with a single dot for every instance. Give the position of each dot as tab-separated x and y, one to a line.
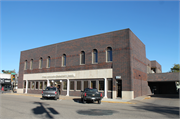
115	63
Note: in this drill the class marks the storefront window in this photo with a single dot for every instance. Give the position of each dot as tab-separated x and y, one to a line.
85	84
32	85
109	85
101	85
45	85
37	84
51	83
41	83
78	85
71	85
64	85
25	84
29	83
93	84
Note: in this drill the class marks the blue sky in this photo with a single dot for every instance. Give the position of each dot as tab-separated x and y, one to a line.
31	24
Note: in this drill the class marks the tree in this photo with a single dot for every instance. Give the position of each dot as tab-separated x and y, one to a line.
8	71
175	68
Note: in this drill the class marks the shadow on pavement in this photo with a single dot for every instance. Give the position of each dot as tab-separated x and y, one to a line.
39	110
78	100
171	112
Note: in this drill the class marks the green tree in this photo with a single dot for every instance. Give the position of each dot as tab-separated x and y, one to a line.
175	68
8	71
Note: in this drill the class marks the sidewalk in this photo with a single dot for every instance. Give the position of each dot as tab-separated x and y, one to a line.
107	100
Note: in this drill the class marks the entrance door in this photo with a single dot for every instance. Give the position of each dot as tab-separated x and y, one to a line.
119	88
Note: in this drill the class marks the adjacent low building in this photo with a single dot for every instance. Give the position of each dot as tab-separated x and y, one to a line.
115	63
5	81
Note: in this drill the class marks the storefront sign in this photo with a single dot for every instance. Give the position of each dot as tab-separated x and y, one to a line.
7	80
118	77
59	76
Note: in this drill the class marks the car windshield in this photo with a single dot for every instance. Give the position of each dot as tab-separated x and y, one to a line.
90	90
50	88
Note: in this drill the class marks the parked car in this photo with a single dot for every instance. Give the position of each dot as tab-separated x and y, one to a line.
91	94
50	92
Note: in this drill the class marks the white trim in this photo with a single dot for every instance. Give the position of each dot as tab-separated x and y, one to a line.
105	87
81	74
26	85
67	87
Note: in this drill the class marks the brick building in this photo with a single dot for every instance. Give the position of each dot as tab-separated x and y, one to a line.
115	63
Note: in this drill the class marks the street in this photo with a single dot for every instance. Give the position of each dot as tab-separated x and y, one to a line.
27	107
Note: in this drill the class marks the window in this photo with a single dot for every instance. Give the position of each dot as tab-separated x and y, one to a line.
31	64
41	84
64	85
101	85
64	60
25	84
78	85
29	84
109	85
32	85
25	65
51	83
45	85
40	63
37	84
71	85
93	84
48	62
94	56
82	57
85	84
109	54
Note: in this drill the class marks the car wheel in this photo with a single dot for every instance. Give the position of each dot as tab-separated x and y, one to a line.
55	98
84	101
99	101
42	97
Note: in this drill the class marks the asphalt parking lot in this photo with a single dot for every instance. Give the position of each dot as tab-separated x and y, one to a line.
29	106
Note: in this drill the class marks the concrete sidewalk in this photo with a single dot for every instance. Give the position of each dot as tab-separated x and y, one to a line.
107	100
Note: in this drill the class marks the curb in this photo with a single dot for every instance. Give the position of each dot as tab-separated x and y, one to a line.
118	102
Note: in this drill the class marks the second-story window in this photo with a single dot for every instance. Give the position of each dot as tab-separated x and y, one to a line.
48	62
40	63
64	60
25	65
94	56
31	64
82	57
109	54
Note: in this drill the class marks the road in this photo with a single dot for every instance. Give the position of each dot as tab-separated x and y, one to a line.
27	107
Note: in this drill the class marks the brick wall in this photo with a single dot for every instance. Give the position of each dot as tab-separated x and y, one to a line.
163	77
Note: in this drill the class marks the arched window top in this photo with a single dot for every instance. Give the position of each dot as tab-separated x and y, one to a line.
94	50
109	49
